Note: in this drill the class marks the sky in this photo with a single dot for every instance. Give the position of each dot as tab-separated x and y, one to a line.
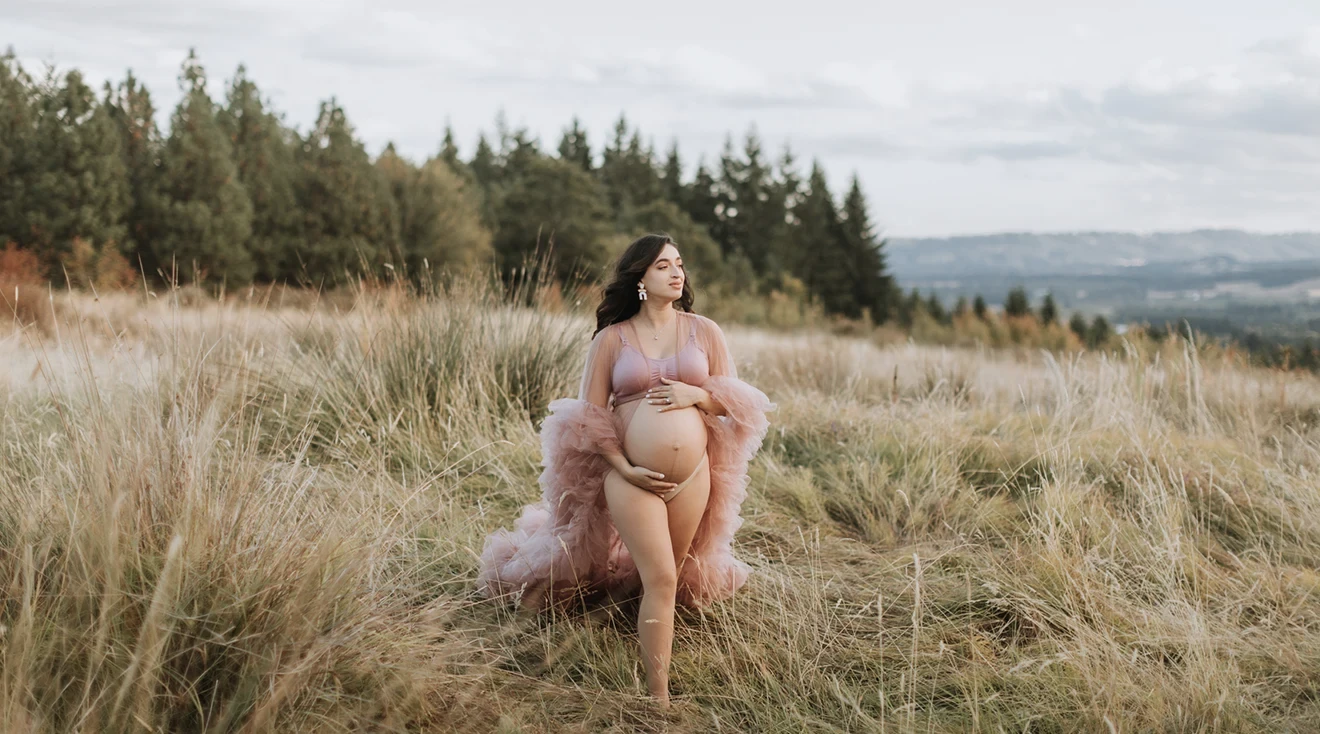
957	116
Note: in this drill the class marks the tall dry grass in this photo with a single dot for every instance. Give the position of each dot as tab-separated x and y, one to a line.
243	516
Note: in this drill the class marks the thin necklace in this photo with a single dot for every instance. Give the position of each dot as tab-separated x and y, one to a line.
676	340
656	336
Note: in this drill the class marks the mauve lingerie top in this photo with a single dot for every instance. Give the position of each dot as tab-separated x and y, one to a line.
635	373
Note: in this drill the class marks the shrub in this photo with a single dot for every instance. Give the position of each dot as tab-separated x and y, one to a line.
23	297
1017	303
19	266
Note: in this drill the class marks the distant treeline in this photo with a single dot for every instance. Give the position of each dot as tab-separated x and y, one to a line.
1265	350
91	186
1019	323
1274	334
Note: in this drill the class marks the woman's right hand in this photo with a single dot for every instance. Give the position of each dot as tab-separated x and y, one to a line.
651	481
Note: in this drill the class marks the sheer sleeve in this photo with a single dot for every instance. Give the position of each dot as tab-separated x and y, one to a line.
717	351
597	383
586	423
733	438
744	405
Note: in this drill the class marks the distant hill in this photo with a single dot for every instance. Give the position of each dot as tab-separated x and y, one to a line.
1027	254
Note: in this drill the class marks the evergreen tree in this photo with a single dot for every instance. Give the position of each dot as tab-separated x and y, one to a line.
872	286
909	308
496	167
1308	356
350	219
1049	311
725	210
450	156
702	200
961	308
18	125
1078	326
439	227
1097	337
628	172
553	200
825	267
753	218
936	309
142	147
400	177
1017	304
979	308
484	166
205	214
674	190
449	151
782	256
575	147
484	171
789	182
517	152
78	186
264	156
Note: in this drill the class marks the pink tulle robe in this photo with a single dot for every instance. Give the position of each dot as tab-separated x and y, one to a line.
566	544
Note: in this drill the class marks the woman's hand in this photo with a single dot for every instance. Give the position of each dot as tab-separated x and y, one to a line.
673	395
651	481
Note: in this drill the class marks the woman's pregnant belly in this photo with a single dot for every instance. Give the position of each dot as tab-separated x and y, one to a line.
671	442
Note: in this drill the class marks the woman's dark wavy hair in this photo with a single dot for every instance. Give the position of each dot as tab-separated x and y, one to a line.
620	301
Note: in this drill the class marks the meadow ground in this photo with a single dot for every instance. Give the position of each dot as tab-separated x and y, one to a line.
229	517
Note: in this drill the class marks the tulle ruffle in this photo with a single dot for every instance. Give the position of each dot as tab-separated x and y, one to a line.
566	544
711	573
560	543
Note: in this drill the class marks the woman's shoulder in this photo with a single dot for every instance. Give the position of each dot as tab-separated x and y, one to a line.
704	324
701	320
613	337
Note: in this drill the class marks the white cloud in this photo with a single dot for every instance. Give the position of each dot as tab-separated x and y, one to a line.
701	68
880	82
398	38
955	82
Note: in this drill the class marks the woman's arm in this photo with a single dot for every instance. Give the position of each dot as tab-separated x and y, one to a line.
720	361
732	401
596	387
710	404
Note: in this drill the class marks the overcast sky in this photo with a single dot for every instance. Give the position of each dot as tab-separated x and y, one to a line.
959	116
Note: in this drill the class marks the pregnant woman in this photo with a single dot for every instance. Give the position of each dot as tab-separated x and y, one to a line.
646	470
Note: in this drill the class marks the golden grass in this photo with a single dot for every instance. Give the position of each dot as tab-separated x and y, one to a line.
248	516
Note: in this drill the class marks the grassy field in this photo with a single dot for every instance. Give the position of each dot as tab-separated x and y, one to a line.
229	517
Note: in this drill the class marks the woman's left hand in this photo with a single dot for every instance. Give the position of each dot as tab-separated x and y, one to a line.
673	395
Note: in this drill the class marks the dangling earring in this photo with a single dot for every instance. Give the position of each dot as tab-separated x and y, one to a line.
641	291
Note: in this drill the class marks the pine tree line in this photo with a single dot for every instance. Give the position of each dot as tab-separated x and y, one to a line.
1094	334
233	194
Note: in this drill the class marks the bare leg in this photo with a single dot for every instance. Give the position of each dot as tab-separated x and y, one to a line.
641	519
685	513
658	536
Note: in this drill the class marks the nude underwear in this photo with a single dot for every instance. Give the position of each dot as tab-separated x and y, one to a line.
683	484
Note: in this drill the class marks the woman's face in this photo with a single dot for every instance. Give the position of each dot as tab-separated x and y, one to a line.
664	278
